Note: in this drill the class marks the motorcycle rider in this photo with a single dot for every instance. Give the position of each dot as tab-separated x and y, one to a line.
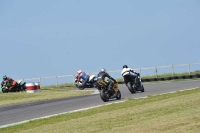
2	83
103	75
127	71
83	76
11	82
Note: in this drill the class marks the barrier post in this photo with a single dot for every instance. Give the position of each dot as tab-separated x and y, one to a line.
73	77
56	81
40	80
156	71
189	68
172	70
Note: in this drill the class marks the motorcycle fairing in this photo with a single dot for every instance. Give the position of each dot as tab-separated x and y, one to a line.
101	82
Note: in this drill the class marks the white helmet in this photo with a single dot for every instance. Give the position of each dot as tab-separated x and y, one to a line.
79	71
103	70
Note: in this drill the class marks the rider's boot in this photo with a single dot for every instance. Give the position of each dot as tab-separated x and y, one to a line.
111	90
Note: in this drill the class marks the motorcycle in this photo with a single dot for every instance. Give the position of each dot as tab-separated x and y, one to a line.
20	86
134	84
92	83
106	94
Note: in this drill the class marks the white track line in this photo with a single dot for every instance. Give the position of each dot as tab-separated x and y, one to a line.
17	123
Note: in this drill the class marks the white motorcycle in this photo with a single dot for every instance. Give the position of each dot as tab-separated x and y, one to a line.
133	83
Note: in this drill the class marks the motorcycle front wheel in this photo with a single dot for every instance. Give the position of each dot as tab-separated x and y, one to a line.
118	95
104	96
4	90
81	88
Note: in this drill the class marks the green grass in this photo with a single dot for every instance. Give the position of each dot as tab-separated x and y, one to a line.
168	113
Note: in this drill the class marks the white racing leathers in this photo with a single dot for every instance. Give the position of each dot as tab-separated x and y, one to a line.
126	71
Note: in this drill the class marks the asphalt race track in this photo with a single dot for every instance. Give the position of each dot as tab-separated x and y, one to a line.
18	113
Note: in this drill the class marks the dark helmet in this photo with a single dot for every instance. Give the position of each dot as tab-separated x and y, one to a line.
125	66
4	77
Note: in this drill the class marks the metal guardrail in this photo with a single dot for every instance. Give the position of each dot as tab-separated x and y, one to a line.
155	68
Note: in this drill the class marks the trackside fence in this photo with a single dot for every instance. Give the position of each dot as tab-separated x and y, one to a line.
169	72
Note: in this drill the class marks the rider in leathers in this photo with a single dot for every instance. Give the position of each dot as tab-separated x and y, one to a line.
2	84
102	75
127	71
11	82
83	76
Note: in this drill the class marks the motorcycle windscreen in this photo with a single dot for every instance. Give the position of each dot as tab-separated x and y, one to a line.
19	82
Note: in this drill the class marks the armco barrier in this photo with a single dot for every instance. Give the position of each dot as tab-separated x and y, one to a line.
155	69
167	78
171	78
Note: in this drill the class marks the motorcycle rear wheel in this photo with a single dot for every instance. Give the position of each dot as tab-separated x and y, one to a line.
131	89
142	88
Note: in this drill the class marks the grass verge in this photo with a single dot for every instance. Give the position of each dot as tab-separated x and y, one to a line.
66	86
167	113
50	94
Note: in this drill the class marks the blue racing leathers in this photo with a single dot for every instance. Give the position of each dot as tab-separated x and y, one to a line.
83	76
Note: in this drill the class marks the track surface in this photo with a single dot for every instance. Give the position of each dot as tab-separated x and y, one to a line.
17	113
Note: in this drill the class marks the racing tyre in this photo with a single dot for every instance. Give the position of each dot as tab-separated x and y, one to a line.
103	96
142	90
131	89
81	88
4	91
118	95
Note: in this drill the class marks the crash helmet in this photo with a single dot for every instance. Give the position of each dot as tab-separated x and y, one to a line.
103	70
125	66
79	71
4	77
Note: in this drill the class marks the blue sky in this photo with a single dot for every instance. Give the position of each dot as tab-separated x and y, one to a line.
49	37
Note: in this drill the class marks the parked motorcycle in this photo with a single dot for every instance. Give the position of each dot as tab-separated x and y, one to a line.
106	94
21	86
92	83
134	84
